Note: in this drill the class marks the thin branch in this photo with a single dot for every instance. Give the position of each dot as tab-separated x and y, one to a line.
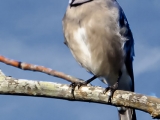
12	86
36	68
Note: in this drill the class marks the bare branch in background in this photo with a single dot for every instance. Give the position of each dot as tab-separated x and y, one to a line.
37	68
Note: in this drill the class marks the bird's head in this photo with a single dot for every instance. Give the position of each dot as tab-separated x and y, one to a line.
78	2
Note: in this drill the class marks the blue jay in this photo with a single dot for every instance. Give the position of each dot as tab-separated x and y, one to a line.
98	35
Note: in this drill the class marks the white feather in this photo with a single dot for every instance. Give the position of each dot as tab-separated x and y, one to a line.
70	1
81	38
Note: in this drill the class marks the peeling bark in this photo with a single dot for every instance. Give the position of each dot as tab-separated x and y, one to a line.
12	86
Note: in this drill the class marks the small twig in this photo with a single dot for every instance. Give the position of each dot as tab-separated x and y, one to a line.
37	68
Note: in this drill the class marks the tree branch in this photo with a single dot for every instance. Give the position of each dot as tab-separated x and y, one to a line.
12	86
36	68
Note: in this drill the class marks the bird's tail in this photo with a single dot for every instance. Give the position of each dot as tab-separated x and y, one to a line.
127	114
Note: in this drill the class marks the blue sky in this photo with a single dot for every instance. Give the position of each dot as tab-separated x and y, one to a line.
31	31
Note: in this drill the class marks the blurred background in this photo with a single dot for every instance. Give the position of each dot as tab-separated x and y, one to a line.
31	31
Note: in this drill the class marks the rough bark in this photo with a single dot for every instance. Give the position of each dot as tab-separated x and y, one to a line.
12	86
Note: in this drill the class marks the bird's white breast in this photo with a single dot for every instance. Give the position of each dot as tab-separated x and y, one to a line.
83	46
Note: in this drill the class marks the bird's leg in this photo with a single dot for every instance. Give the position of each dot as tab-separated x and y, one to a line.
79	84
113	88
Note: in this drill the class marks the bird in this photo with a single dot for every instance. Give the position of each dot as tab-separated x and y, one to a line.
99	37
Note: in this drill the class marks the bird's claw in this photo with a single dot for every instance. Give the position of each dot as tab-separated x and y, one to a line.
78	84
112	90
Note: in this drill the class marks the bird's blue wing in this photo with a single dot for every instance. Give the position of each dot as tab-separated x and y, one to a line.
125	32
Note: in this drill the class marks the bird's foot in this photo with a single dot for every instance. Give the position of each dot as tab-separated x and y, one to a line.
111	92
79	84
